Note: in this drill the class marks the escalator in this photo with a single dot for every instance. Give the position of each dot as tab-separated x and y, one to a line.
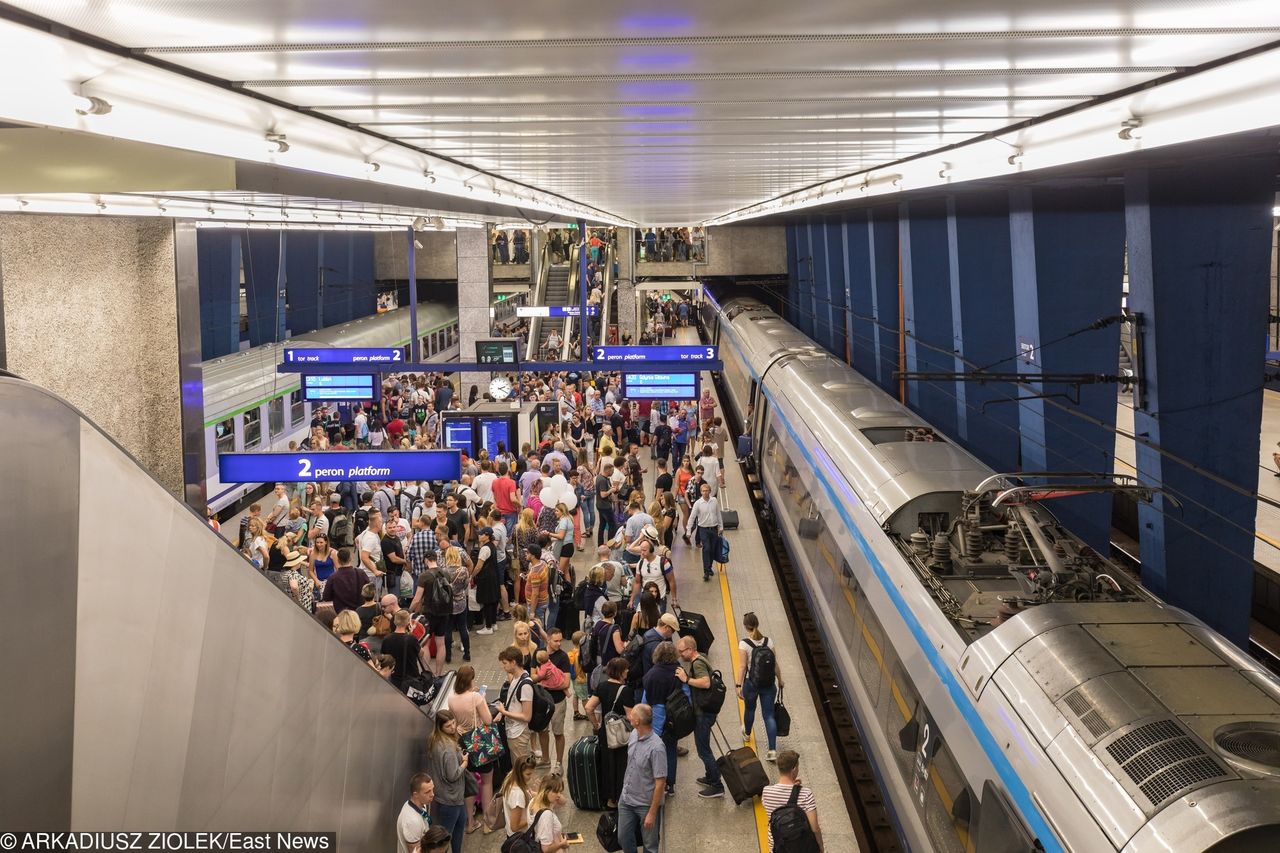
556	286
159	682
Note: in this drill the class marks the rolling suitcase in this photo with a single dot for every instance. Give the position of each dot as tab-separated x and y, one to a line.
744	447
741	770
584	774
695	625
728	517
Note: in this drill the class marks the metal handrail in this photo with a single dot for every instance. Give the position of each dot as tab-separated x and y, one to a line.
606	305
566	347
538	297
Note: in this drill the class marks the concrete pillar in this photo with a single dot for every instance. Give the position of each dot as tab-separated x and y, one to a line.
91	313
982	322
1067	250
475	296
626	285
1198	241
927	298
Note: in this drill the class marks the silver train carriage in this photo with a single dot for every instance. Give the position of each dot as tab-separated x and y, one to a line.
249	406
1014	690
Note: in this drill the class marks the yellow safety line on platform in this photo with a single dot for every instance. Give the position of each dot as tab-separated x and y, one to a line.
731	624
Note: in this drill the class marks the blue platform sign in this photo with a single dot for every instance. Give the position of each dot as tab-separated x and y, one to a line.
319	388
655	353
660	386
337	465
555	310
344	355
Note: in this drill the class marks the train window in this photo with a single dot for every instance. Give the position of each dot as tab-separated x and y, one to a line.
426	347
252	428
999	828
275	412
225	435
405	354
297	408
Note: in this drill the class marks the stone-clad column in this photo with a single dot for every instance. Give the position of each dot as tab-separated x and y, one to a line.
91	313
475	296
626	284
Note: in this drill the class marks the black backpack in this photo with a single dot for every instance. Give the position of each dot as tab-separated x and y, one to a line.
580	596
527	841
362	520
439	594
790	827
543	706
762	670
681	719
409	502
711	700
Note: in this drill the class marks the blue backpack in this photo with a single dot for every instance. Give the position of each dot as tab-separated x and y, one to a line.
722	550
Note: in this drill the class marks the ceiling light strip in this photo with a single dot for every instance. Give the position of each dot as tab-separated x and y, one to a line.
73	86
742	40
1234	97
712	76
505	104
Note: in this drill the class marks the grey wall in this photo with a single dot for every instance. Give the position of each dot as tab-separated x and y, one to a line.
91	313
733	250
437	259
184	691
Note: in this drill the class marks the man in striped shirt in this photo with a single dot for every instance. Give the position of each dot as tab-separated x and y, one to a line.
424	542
776	796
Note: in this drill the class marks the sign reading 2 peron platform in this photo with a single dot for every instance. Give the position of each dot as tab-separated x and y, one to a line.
344	355
337	465
654	353
660	386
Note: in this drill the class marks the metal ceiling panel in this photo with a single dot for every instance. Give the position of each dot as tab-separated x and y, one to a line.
670	113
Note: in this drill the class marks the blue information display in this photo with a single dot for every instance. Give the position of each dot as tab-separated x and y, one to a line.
654	353
338	465
339	389
555	310
459	435
344	355
660	386
494	430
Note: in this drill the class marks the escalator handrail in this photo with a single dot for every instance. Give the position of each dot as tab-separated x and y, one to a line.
538	297
565	346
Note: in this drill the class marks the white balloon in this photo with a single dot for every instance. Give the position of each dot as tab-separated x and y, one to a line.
557	490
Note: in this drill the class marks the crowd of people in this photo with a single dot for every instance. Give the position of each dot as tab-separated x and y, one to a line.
658	245
568	545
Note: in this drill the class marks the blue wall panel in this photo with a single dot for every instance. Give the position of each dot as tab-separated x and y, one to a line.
218	262
1199	241
926	288
264	285
882	236
302	281
982	315
1072	271
862	328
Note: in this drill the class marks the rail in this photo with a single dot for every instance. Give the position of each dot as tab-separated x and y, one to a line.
538	297
566	344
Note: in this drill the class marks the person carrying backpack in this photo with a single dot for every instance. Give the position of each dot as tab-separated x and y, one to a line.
759	677
792	810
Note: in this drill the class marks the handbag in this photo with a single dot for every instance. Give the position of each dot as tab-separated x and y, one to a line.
495	813
470	784
781	716
617	728
473	603
483	744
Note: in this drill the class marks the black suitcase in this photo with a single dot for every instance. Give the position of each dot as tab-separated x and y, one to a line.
741	770
583	769
623	620
728	517
695	625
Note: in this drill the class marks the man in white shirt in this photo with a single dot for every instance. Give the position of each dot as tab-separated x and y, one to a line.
705	517
369	544
482	483
318	524
280	509
415	815
518	709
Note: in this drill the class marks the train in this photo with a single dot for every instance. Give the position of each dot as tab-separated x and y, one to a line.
1013	689
243	392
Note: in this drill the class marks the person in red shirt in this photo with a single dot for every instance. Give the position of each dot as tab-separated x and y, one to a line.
396	430
506	497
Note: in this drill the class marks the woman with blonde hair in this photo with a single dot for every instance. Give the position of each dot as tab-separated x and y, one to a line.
516	792
460	577
447	765
524	535
547	828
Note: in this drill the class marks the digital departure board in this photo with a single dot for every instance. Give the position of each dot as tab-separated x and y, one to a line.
493	430
459	434
337	389
497	352
660	386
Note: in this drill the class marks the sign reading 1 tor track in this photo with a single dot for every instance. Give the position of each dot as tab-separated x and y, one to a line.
338	465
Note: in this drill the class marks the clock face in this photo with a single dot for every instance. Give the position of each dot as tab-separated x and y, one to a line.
500	388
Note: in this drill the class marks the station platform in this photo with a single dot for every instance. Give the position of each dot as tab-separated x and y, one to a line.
1266	546
748	584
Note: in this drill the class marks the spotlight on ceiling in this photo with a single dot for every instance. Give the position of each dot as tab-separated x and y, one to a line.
1015	159
276	143
419	223
945	172
372	166
438	222
429	175
91	106
1131	128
